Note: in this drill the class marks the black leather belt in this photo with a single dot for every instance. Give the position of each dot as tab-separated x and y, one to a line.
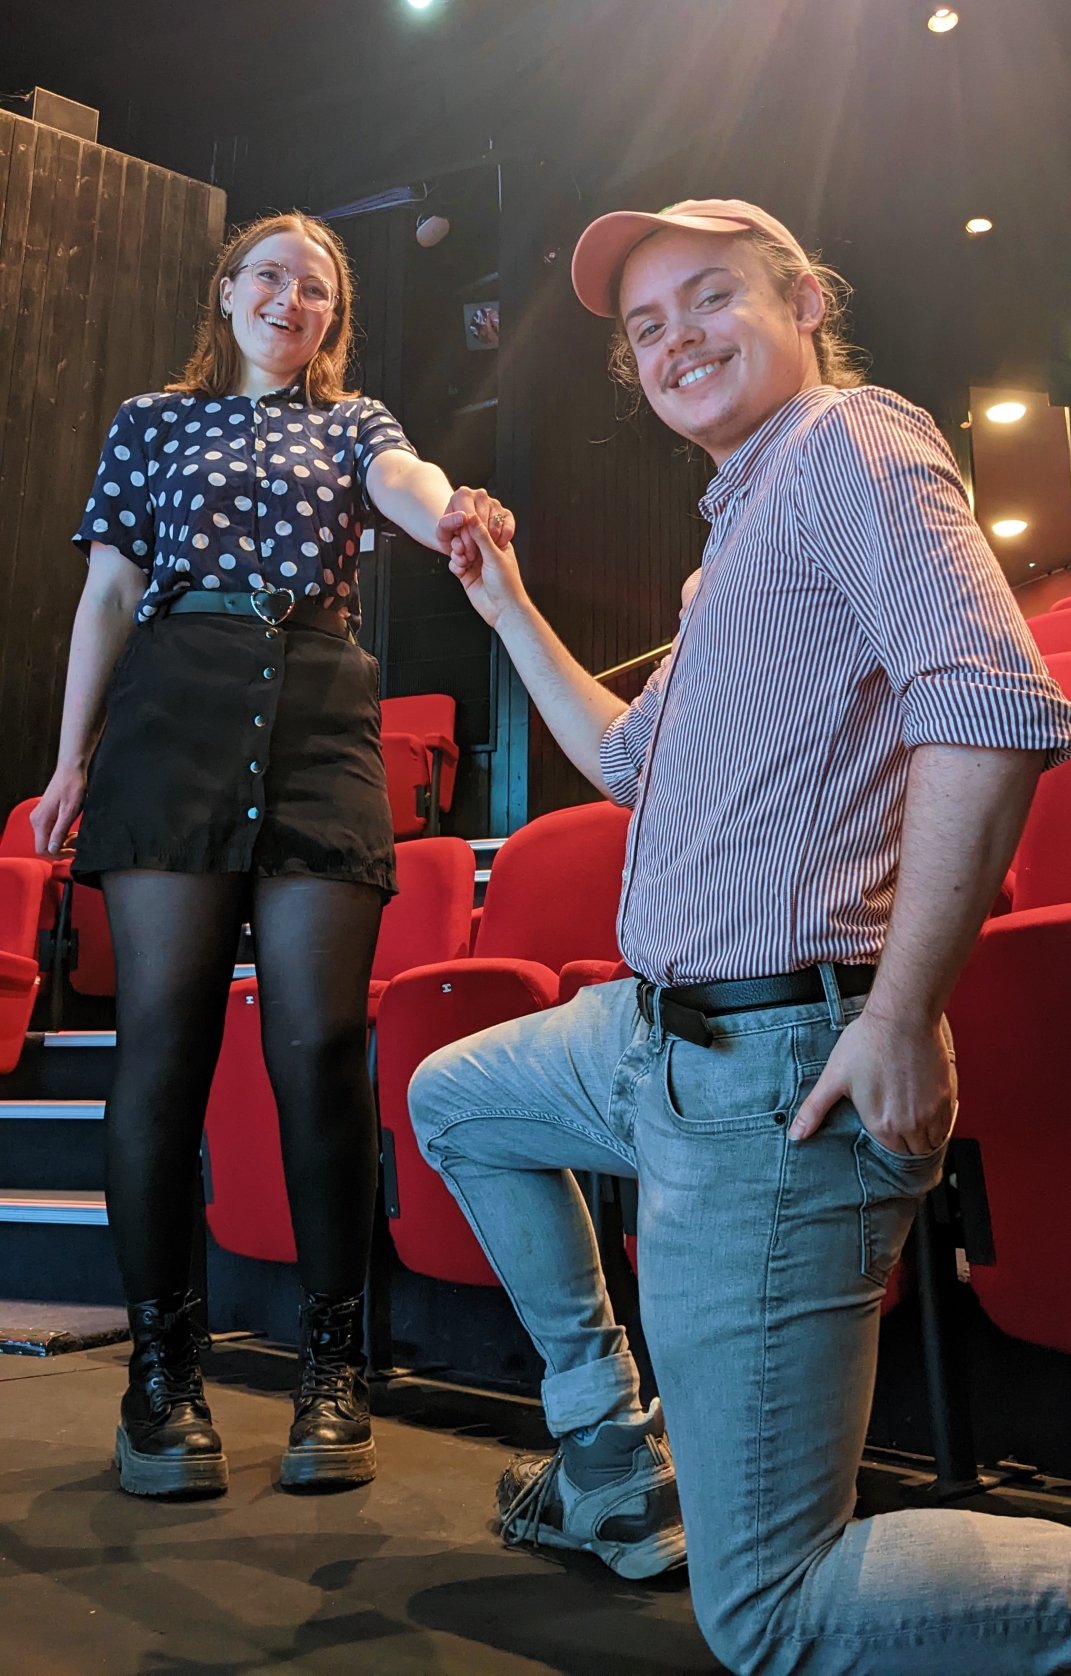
685	1011
276	607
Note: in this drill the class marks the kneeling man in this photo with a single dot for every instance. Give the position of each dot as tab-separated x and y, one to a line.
829	775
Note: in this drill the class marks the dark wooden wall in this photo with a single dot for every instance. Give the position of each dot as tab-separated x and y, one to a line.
103	261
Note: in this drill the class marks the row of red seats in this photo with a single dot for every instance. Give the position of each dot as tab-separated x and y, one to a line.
420	756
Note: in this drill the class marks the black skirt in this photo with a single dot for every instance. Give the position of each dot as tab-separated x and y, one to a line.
230	747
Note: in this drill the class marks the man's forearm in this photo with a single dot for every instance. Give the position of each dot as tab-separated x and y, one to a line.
574	706
963	815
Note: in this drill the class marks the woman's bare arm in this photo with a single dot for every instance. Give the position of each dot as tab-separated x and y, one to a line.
102	626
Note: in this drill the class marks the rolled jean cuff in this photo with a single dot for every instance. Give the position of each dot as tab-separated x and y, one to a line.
589	1394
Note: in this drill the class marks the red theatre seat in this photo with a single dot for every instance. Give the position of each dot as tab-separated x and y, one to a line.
1009	1016
249	1212
421	760
1062	604
23	883
1051	631
552	899
91	969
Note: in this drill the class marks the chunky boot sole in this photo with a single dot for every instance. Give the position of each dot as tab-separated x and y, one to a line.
156	1475
313	1466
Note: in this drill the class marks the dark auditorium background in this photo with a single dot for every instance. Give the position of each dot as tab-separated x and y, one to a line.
874	138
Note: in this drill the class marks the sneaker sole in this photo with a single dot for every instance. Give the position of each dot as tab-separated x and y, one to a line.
663	1551
154	1475
329	1463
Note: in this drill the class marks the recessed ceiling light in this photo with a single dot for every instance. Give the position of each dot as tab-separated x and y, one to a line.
1009	526
1005	413
979	224
419	5
942	20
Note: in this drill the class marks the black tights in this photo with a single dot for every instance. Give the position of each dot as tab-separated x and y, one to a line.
175	937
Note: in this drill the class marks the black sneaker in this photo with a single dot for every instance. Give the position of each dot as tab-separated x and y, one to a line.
615	1497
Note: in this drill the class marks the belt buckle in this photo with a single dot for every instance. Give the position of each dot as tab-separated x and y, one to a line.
262	597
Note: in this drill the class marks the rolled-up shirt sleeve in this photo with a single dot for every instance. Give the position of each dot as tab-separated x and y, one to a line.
884	515
119	511
624	746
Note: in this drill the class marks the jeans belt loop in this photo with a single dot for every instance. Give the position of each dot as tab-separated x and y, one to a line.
833	996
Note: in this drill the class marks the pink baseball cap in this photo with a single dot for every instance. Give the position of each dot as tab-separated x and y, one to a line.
603	247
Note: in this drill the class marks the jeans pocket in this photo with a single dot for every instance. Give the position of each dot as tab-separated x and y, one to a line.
894	1184
714	1091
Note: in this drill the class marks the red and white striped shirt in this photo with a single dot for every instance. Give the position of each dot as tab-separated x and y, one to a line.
849	609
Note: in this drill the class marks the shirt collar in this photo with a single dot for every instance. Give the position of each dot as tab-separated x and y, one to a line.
294	392
744	462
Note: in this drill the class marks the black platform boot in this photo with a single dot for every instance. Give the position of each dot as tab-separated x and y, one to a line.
331	1439
165	1444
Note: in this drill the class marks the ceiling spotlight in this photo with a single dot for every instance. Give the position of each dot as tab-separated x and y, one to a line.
1006	413
941	21
431	230
1009	526
979	224
420	5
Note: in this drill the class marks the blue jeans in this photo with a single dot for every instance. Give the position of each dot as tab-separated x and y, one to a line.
762	1263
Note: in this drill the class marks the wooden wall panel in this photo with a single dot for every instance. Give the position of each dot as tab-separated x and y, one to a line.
102	262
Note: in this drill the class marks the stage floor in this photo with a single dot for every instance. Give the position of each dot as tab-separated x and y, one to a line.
405	1577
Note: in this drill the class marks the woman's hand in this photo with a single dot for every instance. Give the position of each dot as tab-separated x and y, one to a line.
487	570
51	820
454	533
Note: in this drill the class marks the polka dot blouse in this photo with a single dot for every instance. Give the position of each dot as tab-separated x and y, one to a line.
234	494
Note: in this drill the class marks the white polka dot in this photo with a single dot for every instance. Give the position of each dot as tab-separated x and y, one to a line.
278	487
140	549
344	482
283	528
237	418
329	577
324	493
341	455
149	434
238	465
213	430
91	503
200	542
329	602
170	447
358	451
182	564
288	567
210	581
277	460
260	445
343	589
297	428
99	526
298	448
154	467
213	454
111	488
238	442
196	426
247	544
304	508
196	449
213	407
127	518
187	471
176	498
275	436
316	418
187	401
310	549
262	509
147	611
184	532
325	534
274	412
196	503
313	588
221	521
138	479
226	561
217	479
256	580
144	401
267	547
343	519
169	416
301	471
243	503
321	465
351	430
120	452
334	430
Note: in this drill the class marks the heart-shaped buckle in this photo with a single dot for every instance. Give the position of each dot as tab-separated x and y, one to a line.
267	603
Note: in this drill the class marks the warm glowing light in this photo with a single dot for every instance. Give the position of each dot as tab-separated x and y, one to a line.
419	5
1005	413
979	224
943	19
1009	526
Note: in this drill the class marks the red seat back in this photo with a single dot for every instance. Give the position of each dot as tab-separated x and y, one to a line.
405	760
430	917
1058	665
1009	1017
426	717
1062	604
95	972
555	887
1051	631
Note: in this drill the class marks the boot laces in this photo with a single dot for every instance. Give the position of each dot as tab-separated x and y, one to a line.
522	1518
176	1368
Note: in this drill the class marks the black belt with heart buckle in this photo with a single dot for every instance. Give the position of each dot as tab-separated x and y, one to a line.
287	613
685	1011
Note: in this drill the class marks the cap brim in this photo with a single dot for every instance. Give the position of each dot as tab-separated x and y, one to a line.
603	247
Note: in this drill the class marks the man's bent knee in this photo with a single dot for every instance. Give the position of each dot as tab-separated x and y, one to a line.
430	1095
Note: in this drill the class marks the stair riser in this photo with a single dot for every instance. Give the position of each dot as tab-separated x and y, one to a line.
65	1154
54	1263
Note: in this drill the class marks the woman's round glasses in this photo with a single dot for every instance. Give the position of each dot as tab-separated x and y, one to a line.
274	278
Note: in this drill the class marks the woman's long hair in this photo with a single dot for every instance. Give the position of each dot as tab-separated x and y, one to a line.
215	365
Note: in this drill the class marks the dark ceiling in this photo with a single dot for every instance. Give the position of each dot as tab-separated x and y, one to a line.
873	138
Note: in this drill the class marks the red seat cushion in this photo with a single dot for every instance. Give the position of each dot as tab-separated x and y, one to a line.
430	718
405	761
23	883
424	1010
1051	631
430	917
1009	1018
